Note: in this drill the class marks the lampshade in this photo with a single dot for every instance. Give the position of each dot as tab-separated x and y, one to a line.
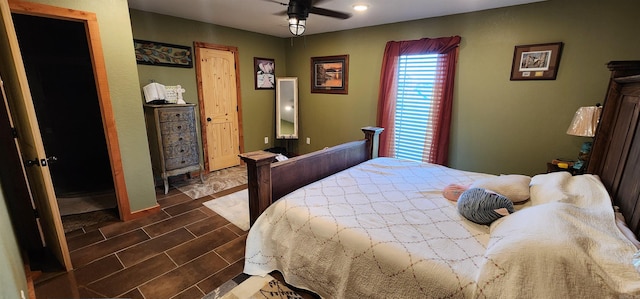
585	121
297	26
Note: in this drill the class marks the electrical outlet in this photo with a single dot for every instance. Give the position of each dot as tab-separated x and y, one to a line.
266	140
308	140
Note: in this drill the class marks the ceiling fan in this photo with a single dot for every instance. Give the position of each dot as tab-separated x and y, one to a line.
298	11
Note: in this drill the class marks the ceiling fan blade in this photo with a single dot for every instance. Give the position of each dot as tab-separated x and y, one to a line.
281	14
329	13
316	2
278	2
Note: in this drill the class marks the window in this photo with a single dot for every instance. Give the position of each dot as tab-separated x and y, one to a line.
414	105
415	98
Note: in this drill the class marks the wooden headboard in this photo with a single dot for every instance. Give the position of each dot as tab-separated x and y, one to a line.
615	155
268	181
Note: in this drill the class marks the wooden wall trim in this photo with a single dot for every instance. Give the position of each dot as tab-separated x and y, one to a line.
97	59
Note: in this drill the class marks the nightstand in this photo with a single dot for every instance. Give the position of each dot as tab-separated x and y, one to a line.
552	167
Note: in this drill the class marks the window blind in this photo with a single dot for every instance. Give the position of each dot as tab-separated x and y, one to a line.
414	105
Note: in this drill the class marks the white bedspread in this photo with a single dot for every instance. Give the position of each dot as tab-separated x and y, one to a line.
381	229
566	245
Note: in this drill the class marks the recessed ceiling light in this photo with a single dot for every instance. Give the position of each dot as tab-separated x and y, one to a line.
360	7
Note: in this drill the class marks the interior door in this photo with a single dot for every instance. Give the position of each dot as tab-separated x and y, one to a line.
29	139
219	106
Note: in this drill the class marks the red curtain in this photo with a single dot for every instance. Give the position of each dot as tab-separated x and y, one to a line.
443	92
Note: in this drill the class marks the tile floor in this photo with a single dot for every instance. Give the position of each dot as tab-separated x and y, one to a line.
184	251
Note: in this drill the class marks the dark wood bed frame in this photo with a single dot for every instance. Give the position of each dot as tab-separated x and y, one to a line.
269	181
615	156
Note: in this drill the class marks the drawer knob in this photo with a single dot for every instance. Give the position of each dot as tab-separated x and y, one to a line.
177	114
179	127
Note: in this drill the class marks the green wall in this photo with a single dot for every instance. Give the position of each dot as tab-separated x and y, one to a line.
117	45
499	126
257	105
12	275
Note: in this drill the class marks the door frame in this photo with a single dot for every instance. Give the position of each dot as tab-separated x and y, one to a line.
203	118
90	22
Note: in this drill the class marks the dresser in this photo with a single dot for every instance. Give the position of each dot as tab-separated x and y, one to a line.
173	140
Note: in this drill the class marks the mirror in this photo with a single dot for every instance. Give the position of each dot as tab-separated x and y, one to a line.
287	108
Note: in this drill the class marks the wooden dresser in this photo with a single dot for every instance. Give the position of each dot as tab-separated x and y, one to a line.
173	140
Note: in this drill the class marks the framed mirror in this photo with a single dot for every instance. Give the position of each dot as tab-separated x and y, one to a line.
287	108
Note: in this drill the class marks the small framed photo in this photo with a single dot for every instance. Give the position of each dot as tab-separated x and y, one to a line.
265	70
330	74
536	62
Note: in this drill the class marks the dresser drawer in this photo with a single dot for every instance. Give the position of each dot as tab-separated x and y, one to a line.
175	114
180	149
180	162
172	139
177	127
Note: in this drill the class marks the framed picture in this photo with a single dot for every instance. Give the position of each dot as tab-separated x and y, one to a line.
155	53
265	70
536	62
330	74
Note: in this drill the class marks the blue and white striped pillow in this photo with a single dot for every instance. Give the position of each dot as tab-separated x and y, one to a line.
483	206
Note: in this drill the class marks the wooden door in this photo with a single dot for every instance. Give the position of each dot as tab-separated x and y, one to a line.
14	184
218	92
30	141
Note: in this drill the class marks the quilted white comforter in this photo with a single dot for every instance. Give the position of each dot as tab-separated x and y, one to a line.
383	230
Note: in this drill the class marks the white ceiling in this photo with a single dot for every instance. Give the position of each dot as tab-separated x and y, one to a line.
262	16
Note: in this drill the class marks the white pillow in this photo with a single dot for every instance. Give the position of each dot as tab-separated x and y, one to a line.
515	187
549	187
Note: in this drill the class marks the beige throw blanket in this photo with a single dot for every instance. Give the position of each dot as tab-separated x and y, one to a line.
566	245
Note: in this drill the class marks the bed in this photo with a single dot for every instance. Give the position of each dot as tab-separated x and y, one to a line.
345	223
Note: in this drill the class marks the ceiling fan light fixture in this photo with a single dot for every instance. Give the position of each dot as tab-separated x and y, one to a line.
360	7
297	26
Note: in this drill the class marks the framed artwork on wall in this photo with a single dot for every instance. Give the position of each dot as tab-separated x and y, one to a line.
536	62
155	53
330	74
265	70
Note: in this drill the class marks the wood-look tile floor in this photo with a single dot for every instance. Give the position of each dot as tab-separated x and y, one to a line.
184	251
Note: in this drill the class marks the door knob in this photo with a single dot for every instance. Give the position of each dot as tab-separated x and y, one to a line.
33	162
208	118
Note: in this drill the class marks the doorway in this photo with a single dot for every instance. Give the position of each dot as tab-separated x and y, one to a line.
67	108
219	104
27	134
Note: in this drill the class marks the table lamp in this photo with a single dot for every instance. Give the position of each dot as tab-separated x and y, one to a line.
584	124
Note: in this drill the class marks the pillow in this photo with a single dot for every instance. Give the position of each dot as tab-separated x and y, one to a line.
483	206
452	192
549	187
515	187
